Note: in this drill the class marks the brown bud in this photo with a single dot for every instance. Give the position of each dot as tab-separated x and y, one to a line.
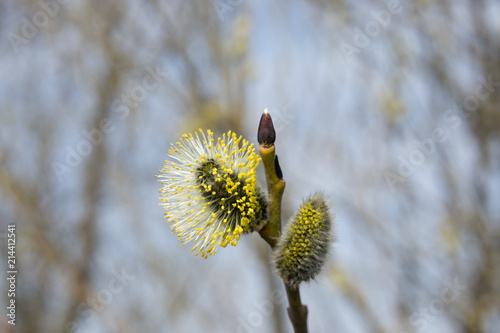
277	168
266	134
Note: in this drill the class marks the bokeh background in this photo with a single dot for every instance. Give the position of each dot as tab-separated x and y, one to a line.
390	108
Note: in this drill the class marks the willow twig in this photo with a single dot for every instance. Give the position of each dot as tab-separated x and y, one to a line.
297	312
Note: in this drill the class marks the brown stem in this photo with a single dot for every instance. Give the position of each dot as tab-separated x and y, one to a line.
296	312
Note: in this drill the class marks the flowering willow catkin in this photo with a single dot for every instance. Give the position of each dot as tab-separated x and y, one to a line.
304	245
210	192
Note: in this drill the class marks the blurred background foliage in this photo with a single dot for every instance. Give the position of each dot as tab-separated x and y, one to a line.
391	108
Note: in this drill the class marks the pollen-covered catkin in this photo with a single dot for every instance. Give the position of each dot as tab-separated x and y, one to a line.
304	245
210	192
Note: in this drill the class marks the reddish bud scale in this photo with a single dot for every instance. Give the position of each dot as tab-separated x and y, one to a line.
266	135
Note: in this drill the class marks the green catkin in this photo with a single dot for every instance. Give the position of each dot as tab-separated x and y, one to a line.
304	246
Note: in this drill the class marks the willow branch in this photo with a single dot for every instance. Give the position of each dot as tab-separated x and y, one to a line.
275	188
271	232
296	311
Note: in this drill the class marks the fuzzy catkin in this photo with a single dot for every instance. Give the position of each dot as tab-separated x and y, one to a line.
210	191
304	246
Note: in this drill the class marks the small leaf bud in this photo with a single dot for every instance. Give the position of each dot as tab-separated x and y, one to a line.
277	168
266	134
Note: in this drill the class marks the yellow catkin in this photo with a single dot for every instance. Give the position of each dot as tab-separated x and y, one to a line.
304	246
210	190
